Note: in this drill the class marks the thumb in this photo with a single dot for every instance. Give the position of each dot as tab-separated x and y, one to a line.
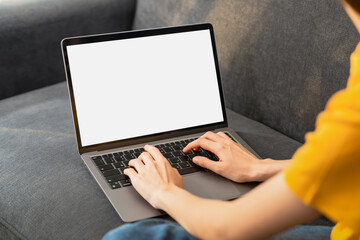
207	163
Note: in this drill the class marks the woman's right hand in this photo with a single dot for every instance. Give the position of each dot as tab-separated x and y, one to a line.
235	161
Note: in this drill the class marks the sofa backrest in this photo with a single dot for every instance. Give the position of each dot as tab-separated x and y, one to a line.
280	60
31	32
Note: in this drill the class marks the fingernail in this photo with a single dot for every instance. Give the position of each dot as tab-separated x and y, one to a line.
195	159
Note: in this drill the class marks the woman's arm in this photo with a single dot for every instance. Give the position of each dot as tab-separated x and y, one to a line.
268	209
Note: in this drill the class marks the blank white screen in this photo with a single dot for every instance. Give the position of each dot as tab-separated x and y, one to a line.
141	86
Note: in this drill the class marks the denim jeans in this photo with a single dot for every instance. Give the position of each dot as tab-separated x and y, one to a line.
162	229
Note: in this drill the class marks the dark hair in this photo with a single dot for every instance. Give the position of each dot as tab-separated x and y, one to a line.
355	4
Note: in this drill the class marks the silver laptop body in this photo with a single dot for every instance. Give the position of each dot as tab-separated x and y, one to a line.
154	87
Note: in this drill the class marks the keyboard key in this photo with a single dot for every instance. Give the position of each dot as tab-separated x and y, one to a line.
194	165
98	162
184	158
189	152
109	160
106	167
178	153
128	152
168	149
138	150
116	178
129	156
119	164
119	158
126	163
175	165
168	155
174	160
125	183
182	146
188	170
184	165
200	153
108	173
115	185
176	147
206	153
212	156
137	154
123	168
190	156
96	158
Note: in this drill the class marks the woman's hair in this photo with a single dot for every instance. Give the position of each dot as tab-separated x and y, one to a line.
355	4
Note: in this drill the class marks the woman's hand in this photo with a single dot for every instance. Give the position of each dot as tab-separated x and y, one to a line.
235	161
153	175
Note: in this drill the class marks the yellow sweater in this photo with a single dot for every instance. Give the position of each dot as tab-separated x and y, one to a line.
325	172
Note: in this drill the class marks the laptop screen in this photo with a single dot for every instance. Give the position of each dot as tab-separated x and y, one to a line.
142	86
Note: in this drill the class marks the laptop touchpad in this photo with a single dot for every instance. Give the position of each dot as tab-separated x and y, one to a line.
207	184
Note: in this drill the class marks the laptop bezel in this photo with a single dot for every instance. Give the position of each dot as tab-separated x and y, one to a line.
137	34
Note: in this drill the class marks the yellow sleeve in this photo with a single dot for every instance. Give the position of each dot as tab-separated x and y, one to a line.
325	172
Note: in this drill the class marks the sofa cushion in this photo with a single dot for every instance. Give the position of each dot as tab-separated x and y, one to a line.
31	32
46	190
280	60
267	142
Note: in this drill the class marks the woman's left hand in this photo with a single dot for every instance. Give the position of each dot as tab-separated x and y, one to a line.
153	175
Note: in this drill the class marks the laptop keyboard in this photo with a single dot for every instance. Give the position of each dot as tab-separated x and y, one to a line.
112	165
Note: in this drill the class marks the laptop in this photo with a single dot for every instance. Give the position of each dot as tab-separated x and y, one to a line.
160	87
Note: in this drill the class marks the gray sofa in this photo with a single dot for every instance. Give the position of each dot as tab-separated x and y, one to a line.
280	62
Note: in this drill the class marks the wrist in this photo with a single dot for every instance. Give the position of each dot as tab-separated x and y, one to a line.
267	168
163	195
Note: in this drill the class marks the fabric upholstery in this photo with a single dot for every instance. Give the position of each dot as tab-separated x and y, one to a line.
265	141
280	60
31	32
46	190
